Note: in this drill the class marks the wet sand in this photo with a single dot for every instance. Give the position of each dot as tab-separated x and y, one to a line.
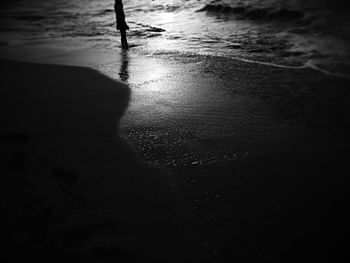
72	189
259	153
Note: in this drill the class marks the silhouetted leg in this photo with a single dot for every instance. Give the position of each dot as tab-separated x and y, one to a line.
123	39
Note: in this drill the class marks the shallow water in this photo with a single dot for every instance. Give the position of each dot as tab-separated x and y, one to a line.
288	32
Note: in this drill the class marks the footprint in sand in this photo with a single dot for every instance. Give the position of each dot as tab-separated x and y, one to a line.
67	179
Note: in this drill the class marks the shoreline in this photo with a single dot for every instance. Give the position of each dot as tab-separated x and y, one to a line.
88	56
253	149
260	152
72	189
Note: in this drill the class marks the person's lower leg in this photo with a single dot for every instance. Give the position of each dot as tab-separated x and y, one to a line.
123	39
126	43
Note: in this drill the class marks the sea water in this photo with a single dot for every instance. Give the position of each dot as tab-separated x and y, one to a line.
292	33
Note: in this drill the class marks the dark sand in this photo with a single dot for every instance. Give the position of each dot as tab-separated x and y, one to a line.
72	190
259	153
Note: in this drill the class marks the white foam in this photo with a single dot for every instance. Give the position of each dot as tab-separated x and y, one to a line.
271	64
308	64
314	67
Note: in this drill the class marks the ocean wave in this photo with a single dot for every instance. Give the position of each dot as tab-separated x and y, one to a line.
104	12
255	13
319	14
30	17
166	7
288	32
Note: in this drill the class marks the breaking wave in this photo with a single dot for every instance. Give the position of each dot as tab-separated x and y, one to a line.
253	13
293	33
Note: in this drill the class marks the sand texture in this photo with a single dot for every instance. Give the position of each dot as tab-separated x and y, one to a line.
72	190
259	154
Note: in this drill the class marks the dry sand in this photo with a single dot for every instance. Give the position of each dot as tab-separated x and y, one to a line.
72	190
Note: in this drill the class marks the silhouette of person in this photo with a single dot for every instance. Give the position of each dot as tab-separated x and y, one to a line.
121	24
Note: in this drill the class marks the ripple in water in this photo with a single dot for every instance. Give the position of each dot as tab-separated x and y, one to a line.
291	33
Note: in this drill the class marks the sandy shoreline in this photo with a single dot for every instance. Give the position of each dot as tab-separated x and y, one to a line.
72	190
260	153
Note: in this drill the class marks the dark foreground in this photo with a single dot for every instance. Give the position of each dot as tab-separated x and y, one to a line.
72	189
259	155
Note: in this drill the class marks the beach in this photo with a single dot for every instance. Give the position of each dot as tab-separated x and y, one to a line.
249	160
261	152
72	189
221	135
282	32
